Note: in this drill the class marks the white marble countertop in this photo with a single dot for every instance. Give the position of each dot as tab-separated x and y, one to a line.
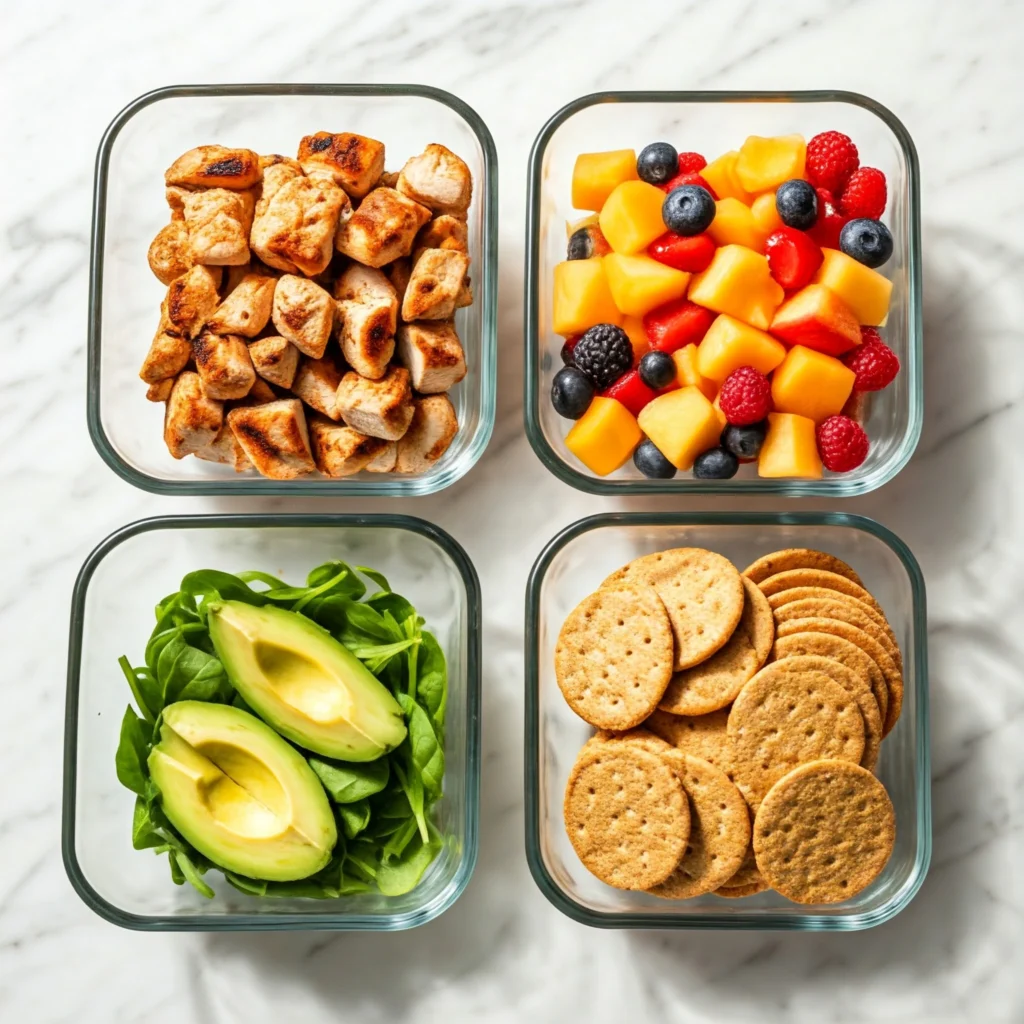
503	953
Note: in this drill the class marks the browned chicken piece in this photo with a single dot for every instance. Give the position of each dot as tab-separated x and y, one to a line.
160	391
274	159
316	383
382	229
169	255
438	179
246	310
430	433
380	408
354	162
175	197
192	419
191	299
275	359
168	354
339	450
215	167
303	313
225	448
224	365
367	315
437	278
218	222
389	179
443	232
233	277
432	354
385	461
399	273
259	393
465	296
275	437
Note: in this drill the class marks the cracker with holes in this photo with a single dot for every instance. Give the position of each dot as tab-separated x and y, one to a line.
798	558
792	578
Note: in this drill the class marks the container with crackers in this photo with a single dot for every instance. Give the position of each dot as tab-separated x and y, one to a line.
727	721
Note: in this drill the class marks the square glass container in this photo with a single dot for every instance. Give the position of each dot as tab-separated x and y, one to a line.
124	296
713	123
111	614
573	565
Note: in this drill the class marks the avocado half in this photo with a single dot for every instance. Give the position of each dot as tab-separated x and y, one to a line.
309	687
240	794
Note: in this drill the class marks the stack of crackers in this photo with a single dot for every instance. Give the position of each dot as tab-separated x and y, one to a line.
739	718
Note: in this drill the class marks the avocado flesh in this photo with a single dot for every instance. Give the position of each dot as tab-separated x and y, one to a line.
308	686
240	794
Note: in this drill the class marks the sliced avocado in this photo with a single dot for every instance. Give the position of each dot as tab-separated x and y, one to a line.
240	794
309	687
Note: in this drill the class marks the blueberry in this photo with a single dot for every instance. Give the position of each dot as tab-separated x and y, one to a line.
657	163
715	464
581	245
688	210
566	354
649	460
796	203
745	442
657	370
867	241
571	392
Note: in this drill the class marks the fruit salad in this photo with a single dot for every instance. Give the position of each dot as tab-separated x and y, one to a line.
726	312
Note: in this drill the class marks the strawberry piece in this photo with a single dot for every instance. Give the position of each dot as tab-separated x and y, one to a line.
631	391
874	363
745	396
692	254
864	194
831	159
689	178
829	223
690	163
793	257
842	444
677	323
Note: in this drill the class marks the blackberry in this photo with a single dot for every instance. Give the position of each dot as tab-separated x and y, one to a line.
604	354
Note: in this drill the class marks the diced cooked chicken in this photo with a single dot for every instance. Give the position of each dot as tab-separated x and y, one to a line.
382	229
437	278
215	167
339	450
465	296
389	179
260	392
354	162
169	353
218	222
275	159
275	359
384	462
432	354
169	255
443	232
246	310
234	275
367	314
224	365
380	408
175	196
160	391
316	383
399	273
275	437
225	448
303	313
191	299
437	179
430	433
192	419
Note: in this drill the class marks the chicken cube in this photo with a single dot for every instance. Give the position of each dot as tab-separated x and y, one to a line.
191	299
192	418
160	391
246	310
430	433
399	273
316	383
259	393
382	228
169	256
367	315
444	232
275	359
384	461
389	179
224	365
353	162
380	408
465	296
215	167
437	179
169	353
175	197
276	160
225	448
341	451
432	354
303	312
275	437
437	278
218	222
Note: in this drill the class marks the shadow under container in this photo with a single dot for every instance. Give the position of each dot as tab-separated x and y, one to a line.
111	615
714	123
574	564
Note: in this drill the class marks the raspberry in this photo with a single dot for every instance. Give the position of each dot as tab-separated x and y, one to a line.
842	444
690	178
864	194
874	363
831	159
830	221
746	396
691	162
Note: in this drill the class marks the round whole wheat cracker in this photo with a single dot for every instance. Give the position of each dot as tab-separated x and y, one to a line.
732	892
639	736
714	683
626	815
702	593
824	832
817	578
703	736
613	658
747	872
798	558
757	619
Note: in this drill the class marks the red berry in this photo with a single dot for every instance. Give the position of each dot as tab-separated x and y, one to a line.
746	396
689	163
842	444
864	194
690	178
829	223
631	391
677	323
874	363
831	159
690	253
793	257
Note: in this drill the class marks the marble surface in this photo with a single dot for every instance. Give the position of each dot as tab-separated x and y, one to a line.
503	953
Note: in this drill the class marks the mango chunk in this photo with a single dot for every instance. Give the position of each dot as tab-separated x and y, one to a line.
790	448
766	216
582	297
635	331
572	226
688	371
811	384
818	318
864	290
734	223
595	175
631	216
721	175
638	284
730	344
738	282
682	424
604	437
766	163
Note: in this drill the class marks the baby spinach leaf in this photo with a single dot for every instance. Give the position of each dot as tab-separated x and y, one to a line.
192	874
306	888
432	678
250	886
176	609
255	576
144	832
132	749
427	755
412	786
348	783
177	875
354	817
377	577
362	859
401	874
350	585
142	685
239	701
353	886
377	656
192	675
399	840
325	587
364	624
